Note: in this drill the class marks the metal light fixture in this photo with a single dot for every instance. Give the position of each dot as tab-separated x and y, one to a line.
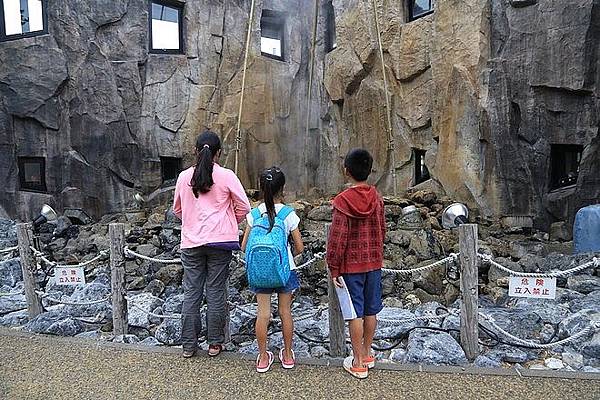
454	215
47	214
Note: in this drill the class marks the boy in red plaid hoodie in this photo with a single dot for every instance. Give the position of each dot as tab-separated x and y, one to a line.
355	256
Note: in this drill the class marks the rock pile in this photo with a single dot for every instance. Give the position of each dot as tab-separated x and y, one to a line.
413	240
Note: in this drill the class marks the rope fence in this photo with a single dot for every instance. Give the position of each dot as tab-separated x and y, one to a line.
450	259
51	299
38	254
9	250
486	258
149	313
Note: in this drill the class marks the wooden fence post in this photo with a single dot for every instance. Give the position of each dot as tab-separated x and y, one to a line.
469	321
117	272
337	331
28	267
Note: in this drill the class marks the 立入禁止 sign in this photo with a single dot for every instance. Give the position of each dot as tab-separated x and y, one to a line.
69	276
537	288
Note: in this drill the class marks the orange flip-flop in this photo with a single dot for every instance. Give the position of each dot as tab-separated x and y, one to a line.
357	372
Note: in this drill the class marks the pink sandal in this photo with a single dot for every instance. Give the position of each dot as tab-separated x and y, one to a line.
264	368
287	364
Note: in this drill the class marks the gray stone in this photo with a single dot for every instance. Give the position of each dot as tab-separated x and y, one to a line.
574	360
15	302
16	318
93	291
398	355
301	349
318	351
591	301
89	335
145	301
155	287
170	274
583	283
393	329
575	323
55	323
169	332
10	272
560	231
554	363
321	213
432	347
486	362
128	339
173	304
151	342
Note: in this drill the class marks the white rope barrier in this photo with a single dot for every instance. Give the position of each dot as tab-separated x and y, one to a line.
149	313
54	264
9	250
314	259
451	258
297	319
404	321
592	327
71	303
554	274
3	294
132	254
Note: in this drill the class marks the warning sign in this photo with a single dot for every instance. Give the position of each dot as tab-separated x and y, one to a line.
69	276
536	288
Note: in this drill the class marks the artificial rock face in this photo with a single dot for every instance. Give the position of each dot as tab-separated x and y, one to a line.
477	85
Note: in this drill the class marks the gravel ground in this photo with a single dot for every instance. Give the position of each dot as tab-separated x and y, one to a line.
42	367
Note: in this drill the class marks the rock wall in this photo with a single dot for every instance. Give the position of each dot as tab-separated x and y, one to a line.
478	85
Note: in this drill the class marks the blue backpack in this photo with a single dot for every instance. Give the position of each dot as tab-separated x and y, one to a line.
267	260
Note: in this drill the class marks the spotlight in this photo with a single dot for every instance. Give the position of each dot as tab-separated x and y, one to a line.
454	215
47	214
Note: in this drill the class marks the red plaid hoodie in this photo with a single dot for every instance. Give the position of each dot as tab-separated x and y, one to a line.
357	232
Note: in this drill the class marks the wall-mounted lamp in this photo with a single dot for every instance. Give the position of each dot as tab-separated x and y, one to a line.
454	215
47	214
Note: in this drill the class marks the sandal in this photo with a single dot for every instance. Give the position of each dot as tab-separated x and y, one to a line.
215	349
287	364
357	372
369	361
264	368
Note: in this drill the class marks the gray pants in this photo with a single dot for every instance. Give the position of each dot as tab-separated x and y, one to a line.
204	266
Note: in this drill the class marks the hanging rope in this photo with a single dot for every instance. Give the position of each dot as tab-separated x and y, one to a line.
310	82
388	110
238	135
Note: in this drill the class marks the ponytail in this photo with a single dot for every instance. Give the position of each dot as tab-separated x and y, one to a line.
208	145
272	182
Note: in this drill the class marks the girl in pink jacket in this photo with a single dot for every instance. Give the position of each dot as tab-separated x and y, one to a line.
210	201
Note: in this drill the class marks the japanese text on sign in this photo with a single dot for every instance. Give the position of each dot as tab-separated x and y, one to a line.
537	288
69	276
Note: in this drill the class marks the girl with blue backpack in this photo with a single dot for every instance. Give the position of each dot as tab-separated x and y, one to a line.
270	264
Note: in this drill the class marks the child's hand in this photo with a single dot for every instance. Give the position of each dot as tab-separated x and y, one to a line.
338	282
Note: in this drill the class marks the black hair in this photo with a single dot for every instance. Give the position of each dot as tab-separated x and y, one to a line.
272	181
208	145
359	163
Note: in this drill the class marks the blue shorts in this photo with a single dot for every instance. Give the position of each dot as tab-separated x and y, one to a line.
292	285
365	292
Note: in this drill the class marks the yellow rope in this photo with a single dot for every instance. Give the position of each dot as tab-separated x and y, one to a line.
310	82
391	145
238	136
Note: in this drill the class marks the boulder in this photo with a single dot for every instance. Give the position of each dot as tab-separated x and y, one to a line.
128	339
145	301
55	323
11	303
170	274
583	283
169	332
10	272
321	213
433	347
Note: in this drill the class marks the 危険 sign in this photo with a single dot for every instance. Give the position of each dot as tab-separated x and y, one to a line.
537	288
69	276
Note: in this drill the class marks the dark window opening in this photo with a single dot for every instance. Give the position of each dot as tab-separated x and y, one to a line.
170	167
32	174
419	8
330	34
565	159
22	18
272	28
421	171
166	27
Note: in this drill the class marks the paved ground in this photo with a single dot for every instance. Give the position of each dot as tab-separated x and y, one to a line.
41	367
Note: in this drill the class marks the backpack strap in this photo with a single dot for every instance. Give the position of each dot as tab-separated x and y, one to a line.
255	214
285	212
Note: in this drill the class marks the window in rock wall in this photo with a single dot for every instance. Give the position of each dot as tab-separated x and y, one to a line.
32	174
421	171
170	167
564	169
166	27
272	28
330	35
22	18
419	8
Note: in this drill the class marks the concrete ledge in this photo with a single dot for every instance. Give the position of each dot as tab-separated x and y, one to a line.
316	362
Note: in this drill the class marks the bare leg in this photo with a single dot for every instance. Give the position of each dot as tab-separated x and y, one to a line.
356	337
369	326
287	323
263	318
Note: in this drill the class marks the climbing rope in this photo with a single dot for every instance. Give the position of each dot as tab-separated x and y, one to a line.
554	274
592	327
9	250
388	109
238	134
310	82
451	258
